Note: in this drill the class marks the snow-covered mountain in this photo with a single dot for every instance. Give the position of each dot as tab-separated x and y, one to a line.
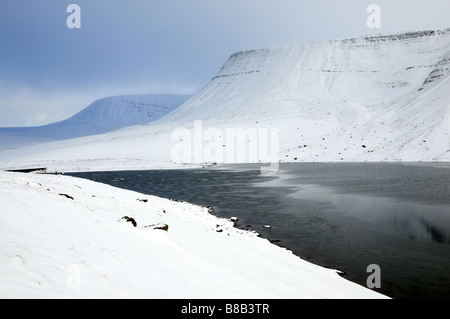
99	117
390	93
373	98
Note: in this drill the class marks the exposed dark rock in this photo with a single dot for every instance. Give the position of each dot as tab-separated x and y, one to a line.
67	196
130	219
159	226
28	170
163	227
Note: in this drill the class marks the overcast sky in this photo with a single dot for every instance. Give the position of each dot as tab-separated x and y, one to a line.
49	72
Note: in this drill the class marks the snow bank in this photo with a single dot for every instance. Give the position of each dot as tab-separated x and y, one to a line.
65	237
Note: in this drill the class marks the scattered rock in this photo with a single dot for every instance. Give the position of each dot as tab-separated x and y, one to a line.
219	228
159	226
130	219
163	227
67	196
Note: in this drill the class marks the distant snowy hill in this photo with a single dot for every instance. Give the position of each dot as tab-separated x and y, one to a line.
99	117
374	98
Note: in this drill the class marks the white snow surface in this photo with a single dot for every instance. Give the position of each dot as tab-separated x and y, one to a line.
374	98
99	117
65	237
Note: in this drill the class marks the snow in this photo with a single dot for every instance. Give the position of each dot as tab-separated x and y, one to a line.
99	117
65	237
389	93
379	98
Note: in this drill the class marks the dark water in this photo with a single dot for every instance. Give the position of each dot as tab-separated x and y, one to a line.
345	216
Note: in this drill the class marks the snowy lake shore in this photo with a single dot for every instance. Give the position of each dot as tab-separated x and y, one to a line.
66	237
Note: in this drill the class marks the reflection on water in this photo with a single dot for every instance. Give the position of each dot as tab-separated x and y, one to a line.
408	220
346	216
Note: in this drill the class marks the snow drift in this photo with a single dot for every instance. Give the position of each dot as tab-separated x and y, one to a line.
374	98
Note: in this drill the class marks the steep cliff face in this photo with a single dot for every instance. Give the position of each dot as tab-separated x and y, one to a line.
441	70
369	71
389	91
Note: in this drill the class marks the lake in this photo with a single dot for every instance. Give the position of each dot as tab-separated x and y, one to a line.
341	215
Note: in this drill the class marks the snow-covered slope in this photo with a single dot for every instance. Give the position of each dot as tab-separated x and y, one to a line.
64	237
390	93
99	117
374	98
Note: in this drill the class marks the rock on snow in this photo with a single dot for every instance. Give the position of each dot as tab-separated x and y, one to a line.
79	246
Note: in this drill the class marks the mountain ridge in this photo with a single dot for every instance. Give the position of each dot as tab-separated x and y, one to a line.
99	117
373	98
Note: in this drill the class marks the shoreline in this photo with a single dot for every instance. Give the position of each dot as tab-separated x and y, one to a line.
96	199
